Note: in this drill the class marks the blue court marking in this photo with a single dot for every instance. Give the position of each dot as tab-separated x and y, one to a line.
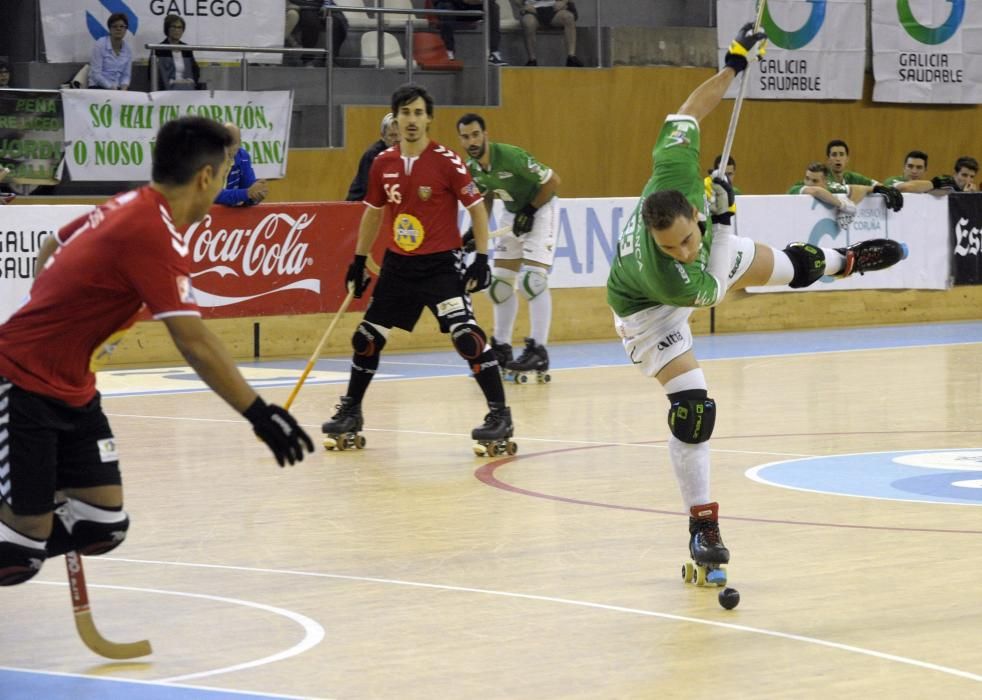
17	684
952	476
580	355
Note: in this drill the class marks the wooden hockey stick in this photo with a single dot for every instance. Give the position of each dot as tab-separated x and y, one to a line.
83	618
320	346
738	105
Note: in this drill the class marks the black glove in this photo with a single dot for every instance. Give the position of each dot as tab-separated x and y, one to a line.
467	242
279	430
723	200
893	196
357	278
945	182
736	56
478	274
524	220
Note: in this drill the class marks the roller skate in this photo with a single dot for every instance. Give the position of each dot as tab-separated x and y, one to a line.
494	436
502	353
706	548
531	365
342	432
874	254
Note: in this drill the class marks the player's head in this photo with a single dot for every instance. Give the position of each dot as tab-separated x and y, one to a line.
413	107
966	168
389	129
673	224
915	165
730	166
473	134
193	152
175	24
236	134
837	155
817	175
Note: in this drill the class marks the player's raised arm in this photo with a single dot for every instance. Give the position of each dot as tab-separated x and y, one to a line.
704	98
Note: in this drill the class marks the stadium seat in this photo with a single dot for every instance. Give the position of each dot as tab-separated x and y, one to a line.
431	54
399	21
391	51
357	20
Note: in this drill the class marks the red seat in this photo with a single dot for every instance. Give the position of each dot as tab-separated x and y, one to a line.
431	54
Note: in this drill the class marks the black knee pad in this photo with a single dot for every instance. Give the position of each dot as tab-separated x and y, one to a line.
86	529
19	563
469	341
367	341
692	415
808	262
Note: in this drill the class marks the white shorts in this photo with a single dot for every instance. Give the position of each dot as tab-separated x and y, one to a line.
655	336
538	245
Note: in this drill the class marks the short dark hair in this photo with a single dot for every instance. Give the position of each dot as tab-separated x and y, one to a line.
661	209
836	142
409	92
171	20
817	167
186	145
916	154
469	118
719	159
967	162
117	17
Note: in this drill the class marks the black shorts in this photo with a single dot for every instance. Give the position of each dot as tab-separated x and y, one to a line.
546	14
50	446
408	283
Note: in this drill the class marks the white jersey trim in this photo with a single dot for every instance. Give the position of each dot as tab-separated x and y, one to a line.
682	117
168	314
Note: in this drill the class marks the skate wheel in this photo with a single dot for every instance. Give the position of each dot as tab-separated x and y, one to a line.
545	378
480	450
360	442
687	572
700	575
511	448
522	379
716	577
330	443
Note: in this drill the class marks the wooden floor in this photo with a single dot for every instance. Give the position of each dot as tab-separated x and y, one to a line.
414	570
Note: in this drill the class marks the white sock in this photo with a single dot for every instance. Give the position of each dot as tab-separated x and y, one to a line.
834	261
540	317
783	271
690	462
506	309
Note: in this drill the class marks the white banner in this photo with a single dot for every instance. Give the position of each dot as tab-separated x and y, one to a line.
22	230
109	134
816	49
927	51
72	26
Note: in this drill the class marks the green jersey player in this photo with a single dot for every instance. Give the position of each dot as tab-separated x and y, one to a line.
668	263
524	256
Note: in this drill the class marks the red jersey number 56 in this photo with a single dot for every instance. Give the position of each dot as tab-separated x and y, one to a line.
392	193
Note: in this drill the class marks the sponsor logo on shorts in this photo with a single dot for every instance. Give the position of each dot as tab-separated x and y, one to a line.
669	340
184	290
736	264
107	450
449	306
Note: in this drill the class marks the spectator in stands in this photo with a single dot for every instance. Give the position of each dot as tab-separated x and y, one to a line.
837	158
389	137
966	169
842	197
548	13
4	74
915	172
112	60
311	15
176	70
449	24
241	186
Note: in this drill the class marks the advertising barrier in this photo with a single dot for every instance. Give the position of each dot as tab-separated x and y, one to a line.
965	215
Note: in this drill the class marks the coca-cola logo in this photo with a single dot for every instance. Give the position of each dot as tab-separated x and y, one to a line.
274	247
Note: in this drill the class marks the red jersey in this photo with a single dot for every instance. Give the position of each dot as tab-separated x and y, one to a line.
422	192
109	263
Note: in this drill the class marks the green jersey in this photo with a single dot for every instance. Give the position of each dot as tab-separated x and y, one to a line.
850	178
641	275
894	181
831	185
514	176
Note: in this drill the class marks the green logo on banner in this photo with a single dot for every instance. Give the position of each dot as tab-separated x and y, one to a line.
800	37
931	35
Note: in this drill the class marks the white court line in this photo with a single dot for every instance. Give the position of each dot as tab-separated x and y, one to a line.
313	632
586	604
110	679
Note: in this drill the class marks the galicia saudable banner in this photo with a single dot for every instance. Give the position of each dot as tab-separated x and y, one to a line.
965	215
815	49
927	51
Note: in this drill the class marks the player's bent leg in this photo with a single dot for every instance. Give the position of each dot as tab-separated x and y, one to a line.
502	294
471	343
87	529
21	557
367	343
533	284
808	263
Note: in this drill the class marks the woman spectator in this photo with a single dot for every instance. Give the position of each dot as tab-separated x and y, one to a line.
112	60
176	70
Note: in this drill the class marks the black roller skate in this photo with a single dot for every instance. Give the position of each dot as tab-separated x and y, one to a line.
869	256
532	364
502	353
494	436
343	431
706	548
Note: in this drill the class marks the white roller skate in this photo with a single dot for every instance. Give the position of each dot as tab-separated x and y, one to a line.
706	548
494	436
342	432
531	366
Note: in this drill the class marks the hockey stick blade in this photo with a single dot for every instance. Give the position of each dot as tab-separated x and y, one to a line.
83	618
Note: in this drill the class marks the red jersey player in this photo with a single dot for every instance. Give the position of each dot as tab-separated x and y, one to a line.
421	182
94	276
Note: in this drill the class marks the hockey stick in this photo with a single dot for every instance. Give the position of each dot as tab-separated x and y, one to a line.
83	618
738	105
320	346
